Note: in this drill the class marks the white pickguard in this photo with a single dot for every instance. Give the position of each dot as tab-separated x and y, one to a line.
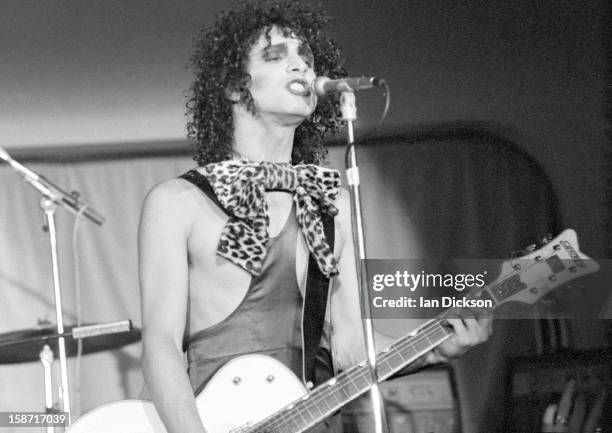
250	387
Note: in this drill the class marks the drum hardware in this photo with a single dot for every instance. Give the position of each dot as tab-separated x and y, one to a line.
41	343
28	345
53	196
46	358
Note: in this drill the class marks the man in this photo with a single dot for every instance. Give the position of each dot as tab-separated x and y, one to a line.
223	264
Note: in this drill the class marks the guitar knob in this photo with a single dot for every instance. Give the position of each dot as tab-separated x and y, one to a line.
236	380
516	267
573	269
557	247
270	378
552	278
538	258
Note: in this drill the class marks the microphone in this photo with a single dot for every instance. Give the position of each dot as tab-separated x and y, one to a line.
53	192
322	85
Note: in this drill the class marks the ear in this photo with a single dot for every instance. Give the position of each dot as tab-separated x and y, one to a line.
232	94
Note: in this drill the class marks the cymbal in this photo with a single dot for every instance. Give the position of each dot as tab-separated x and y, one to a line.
25	345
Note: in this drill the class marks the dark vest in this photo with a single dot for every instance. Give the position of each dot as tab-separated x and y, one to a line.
268	320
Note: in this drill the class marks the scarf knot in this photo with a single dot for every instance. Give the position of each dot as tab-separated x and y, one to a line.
240	186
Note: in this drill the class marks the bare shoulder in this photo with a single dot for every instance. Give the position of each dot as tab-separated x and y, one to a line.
170	191
176	212
164	211
179	200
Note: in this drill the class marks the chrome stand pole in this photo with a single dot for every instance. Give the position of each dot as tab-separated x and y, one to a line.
349	113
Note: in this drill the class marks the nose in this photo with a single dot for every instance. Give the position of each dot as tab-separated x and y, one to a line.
297	64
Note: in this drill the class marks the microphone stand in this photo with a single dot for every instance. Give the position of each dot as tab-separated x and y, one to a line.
49	206
52	197
349	114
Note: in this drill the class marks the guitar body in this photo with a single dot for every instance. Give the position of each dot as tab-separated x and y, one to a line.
129	416
244	391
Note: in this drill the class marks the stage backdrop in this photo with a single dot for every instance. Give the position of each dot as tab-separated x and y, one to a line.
449	192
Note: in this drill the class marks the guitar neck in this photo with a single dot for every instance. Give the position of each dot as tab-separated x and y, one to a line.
407	349
350	384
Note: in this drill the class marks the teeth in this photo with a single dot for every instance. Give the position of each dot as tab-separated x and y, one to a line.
298	87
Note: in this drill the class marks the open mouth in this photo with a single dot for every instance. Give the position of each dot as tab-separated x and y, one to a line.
299	87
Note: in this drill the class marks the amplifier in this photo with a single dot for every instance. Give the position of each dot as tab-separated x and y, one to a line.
417	403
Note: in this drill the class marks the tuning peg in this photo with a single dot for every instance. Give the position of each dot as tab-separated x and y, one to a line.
546	238
519	253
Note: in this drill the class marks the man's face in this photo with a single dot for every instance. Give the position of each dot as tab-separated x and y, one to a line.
281	76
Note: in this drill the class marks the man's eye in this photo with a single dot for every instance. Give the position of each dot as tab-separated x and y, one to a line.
272	55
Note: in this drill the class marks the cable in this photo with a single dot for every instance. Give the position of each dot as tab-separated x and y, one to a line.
369	132
77	281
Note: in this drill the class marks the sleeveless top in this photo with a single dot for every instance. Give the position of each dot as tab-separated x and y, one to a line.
267	321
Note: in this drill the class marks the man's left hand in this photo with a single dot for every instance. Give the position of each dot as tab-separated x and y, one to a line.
468	333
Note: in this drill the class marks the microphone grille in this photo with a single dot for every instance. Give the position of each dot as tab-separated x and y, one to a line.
318	85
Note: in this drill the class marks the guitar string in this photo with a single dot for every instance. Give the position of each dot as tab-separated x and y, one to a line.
361	375
356	373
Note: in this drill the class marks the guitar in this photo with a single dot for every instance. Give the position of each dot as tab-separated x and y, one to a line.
256	393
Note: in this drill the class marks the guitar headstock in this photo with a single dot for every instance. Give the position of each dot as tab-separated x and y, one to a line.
530	277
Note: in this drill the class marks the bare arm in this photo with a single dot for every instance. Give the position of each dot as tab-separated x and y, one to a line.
162	246
347	336
346	311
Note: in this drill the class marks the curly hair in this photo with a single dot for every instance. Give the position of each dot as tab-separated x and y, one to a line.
219	62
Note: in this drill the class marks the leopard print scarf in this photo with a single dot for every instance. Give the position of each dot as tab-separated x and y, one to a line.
240	186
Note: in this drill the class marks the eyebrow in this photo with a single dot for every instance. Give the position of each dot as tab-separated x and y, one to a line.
280	46
303	50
